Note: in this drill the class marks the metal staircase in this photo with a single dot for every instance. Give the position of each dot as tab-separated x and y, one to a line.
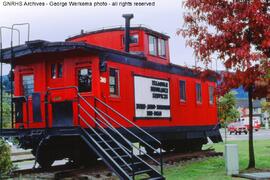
114	145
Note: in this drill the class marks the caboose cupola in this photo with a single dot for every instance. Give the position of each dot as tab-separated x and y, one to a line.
143	41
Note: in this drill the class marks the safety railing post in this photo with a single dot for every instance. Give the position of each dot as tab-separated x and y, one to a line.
1	73
161	160
132	163
78	101
27	112
46	110
95	106
12	66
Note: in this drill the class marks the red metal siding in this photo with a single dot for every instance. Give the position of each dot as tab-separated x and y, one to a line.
113	40
187	113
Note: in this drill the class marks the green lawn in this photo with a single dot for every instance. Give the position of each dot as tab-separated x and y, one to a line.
214	168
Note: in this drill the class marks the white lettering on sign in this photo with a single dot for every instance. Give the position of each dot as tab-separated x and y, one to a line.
152	97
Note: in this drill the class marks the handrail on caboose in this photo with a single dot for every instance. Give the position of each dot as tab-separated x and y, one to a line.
128	121
110	126
134	135
61	88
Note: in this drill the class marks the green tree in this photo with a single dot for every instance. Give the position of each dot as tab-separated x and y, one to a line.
227	108
5	158
6	111
5	155
265	106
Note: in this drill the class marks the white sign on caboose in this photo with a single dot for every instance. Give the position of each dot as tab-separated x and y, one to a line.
152	97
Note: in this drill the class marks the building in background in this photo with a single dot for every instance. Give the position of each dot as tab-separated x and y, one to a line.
242	106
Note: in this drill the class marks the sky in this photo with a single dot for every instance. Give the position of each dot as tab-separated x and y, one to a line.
58	23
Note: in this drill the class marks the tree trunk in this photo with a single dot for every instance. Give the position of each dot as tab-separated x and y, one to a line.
251	163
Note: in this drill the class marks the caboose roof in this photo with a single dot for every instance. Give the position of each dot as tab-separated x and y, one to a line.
42	47
120	28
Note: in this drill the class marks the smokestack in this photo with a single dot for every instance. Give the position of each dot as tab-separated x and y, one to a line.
127	17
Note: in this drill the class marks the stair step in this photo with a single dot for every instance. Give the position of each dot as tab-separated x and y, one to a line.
111	143
123	156
130	164
116	148
107	141
143	171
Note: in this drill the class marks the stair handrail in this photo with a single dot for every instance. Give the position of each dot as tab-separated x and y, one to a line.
128	130
159	152
85	132
94	109
125	118
106	142
116	131
128	142
119	144
138	137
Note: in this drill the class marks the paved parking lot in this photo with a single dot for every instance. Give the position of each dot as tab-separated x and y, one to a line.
262	134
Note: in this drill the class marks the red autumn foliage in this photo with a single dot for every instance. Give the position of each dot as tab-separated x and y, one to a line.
237	33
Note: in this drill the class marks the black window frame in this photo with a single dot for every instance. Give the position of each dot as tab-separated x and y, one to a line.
198	88
85	88
155	45
160	48
131	38
116	85
211	95
24	88
57	70
183	91
53	71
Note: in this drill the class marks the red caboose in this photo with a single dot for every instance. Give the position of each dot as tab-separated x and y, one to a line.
107	89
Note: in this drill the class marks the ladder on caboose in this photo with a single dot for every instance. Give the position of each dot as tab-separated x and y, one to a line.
113	145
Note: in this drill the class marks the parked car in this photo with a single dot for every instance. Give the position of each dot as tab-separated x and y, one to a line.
256	126
256	122
237	128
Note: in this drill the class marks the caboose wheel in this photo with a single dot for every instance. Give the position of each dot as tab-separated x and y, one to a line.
83	156
44	158
45	162
85	160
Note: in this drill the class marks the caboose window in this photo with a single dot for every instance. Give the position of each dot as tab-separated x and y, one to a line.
198	93
162	48
114	82
85	80
183	91
59	70
28	84
56	70
152	45
53	71
134	39
211	94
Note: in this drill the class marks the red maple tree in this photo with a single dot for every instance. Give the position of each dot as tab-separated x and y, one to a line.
237	33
